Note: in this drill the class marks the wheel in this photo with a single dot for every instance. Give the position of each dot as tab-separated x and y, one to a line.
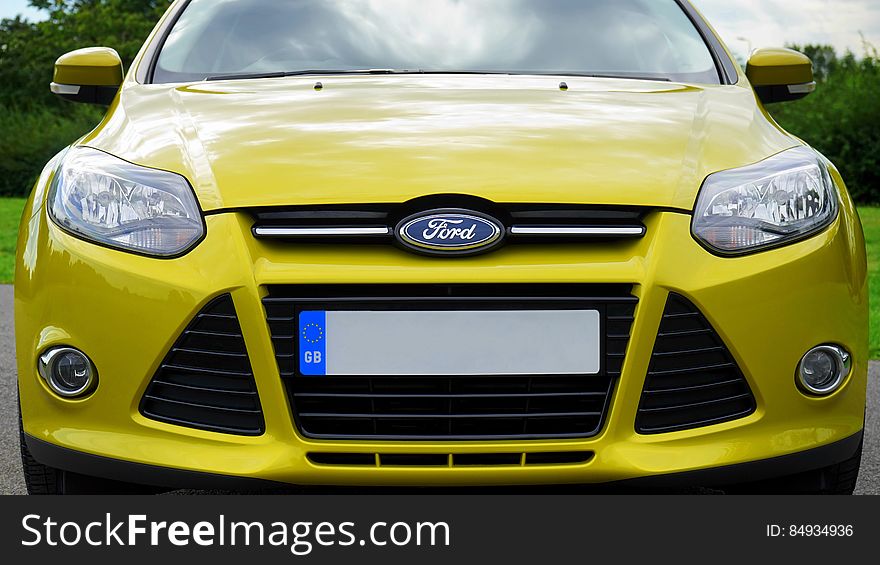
837	479
42	479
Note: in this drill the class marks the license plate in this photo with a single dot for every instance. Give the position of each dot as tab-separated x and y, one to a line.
444	343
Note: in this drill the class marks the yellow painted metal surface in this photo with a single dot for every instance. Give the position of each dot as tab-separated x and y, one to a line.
779	67
126	311
389	139
380	138
92	66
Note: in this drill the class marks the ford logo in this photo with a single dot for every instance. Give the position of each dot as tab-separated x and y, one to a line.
450	232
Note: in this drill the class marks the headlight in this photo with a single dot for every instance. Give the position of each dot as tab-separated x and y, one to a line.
787	197
113	202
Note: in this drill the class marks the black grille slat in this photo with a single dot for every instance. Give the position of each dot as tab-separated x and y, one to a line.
200	405
699	369
218	382
693	380
681	389
500	416
220	399
446	405
459	407
458	396
210	353
204	370
206	381
199	388
698	351
209	334
709	402
686	333
727	416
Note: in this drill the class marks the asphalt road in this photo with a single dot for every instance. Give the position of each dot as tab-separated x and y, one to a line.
11	481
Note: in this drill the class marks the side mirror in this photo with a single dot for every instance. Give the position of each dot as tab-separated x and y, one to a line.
91	75
780	75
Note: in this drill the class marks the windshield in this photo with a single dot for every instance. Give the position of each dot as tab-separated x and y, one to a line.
653	39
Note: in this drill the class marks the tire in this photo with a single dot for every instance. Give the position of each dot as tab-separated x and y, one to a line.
42	480
38	478
838	479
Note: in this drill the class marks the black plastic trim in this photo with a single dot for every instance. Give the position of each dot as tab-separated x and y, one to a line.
342	459
487	459
220	308
724	64
671	400
283	304
139	473
506	216
147	65
88	94
775	94
753	471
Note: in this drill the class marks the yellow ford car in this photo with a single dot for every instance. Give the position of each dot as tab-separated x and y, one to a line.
439	243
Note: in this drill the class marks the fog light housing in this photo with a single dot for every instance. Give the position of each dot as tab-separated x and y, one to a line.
68	372
823	369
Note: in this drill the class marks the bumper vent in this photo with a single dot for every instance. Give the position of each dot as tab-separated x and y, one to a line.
451	460
450	407
693	380
206	381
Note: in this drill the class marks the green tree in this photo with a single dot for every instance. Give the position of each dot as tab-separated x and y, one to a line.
824	59
34	124
842	118
28	49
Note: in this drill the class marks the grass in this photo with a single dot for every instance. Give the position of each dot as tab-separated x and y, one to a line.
871	223
10	213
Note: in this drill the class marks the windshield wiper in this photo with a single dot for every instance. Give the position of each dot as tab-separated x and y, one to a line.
626	76
282	74
326	72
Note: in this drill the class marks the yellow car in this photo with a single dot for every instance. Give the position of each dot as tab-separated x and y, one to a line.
441	243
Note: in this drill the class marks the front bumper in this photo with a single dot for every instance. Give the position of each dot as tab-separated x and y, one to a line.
126	312
118	470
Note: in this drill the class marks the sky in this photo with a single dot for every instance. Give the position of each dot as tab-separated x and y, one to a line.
12	8
773	23
743	24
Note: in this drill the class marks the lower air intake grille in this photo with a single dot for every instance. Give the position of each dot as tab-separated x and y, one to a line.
466	407
693	380
456	408
206	381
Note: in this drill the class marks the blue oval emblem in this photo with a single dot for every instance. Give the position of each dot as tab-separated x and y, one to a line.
450	232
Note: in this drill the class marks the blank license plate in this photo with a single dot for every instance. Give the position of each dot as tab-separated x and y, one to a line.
444	343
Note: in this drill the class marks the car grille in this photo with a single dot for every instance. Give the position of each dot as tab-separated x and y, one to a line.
375	223
452	407
693	380
206	381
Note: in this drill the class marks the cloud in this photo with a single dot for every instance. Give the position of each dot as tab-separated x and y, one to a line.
767	23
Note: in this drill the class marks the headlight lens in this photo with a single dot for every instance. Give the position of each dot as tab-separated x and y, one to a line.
785	198
116	203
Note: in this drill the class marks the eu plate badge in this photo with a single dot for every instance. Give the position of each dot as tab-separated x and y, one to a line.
313	343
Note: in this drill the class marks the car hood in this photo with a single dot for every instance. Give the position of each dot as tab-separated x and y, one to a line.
365	139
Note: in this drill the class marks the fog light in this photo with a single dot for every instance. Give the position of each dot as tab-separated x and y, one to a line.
68	372
823	369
